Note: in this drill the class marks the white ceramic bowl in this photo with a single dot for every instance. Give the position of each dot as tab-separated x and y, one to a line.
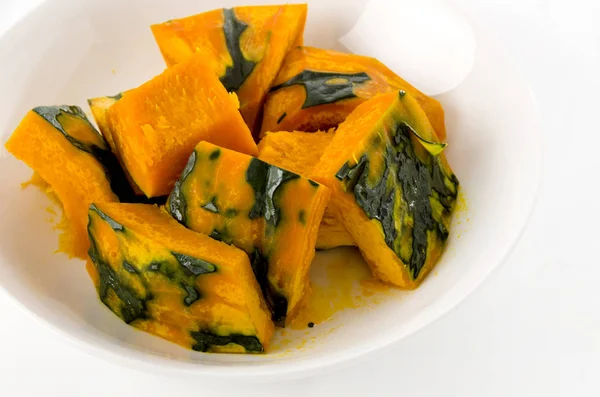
67	51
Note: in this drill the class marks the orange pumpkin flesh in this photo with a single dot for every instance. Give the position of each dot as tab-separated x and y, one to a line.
245	46
270	213
392	188
55	147
156	126
316	89
99	107
298	152
162	278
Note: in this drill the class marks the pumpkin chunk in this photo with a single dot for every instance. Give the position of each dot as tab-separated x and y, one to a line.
317	89
270	213
155	127
299	152
64	149
392	187
99	107
185	287
245	46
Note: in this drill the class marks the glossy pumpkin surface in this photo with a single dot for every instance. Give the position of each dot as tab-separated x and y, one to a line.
271	213
392	187
155	127
164	279
99	107
63	148
245	46
317	89
299	152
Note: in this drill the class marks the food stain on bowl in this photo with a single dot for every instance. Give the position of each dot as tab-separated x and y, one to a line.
340	282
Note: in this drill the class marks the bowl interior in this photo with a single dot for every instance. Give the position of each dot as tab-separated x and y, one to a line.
89	49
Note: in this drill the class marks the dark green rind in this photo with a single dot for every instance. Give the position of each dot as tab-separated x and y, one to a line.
319	92
238	72
206	339
215	154
177	203
221	235
116	226
129	267
192	294
164	268
194	266
420	181
211	206
280	119
265	180
302	217
277	302
51	114
114	173
132	307
231	212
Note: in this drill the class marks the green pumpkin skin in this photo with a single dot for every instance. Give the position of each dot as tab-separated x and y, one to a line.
150	284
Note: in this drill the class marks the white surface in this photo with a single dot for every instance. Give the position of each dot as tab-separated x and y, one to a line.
498	178
532	329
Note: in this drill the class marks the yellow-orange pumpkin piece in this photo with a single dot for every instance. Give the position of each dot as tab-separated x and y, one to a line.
271	213
392	187
155	127
245	46
162	278
99	107
299	152
60	144
317	89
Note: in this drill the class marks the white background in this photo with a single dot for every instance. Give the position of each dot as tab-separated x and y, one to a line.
532	329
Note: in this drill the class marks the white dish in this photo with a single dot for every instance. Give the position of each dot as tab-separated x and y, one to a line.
68	51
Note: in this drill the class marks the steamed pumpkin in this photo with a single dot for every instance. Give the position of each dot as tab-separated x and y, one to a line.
164	279
299	152
271	213
64	149
245	46
317	89
155	127
99	107
392	187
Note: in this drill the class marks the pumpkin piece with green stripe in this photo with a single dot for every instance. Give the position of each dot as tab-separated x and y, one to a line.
392	187
66	151
271	213
245	46
180	285
317	89
155	126
299	152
